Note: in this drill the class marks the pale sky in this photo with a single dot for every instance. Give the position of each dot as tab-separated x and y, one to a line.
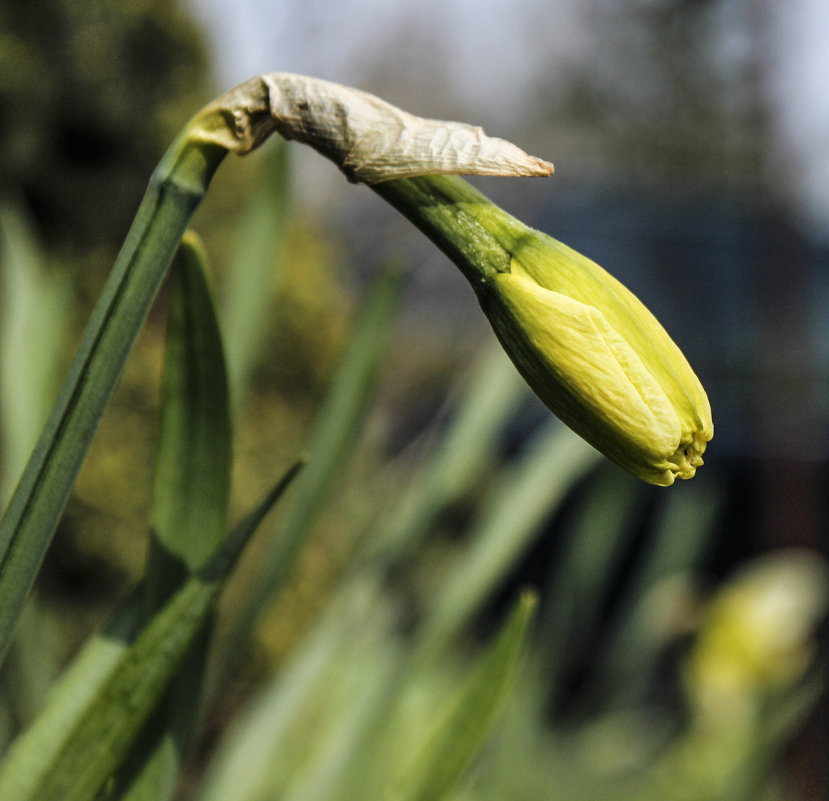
493	55
799	83
487	52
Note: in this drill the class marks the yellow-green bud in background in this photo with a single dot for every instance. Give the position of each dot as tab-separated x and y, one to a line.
757	635
599	360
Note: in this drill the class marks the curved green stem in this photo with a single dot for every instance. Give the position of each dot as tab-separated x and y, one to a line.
465	224
175	191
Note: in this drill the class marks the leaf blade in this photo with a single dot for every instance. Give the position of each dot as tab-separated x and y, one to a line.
32	515
189	509
335	432
97	739
458	738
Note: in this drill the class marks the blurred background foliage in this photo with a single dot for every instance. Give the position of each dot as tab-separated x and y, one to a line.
90	95
671	172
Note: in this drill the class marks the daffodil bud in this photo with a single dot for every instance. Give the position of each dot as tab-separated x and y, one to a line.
584	343
591	351
757	634
599	359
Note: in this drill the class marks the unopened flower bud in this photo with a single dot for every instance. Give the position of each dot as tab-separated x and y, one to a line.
599	360
757	634
588	347
585	344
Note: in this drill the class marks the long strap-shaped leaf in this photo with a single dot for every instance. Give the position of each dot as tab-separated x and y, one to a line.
458	738
92	746
192	478
189	514
26	529
336	428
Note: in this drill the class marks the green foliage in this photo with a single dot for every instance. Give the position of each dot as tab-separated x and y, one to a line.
89	96
29	522
100	734
420	668
190	505
448	750
31	353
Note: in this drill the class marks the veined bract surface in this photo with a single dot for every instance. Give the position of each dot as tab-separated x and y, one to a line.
597	357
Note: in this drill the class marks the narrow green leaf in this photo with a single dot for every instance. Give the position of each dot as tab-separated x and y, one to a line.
36	749
192	478
489	393
335	432
251	759
34	316
104	728
104	732
527	494
190	500
29	522
466	725
249	287
598	534
297	731
339	421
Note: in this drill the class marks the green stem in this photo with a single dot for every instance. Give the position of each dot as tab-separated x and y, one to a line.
466	225
175	191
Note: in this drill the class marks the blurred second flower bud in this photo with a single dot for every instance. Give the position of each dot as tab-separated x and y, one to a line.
757	634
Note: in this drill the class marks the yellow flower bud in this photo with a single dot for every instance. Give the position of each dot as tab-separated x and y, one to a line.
599	359
591	351
758	633
583	342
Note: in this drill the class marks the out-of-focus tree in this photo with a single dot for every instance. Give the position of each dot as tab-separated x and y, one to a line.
90	95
